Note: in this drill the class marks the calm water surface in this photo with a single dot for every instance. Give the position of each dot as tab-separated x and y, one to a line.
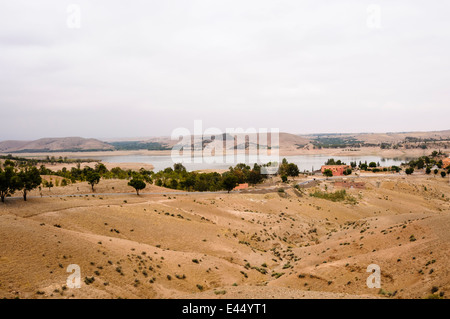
304	162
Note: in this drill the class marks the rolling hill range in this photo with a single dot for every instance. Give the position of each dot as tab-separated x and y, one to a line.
55	144
288	143
378	138
264	243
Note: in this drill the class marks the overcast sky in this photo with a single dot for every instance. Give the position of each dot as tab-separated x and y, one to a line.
143	68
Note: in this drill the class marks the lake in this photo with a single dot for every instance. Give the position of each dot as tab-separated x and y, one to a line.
304	162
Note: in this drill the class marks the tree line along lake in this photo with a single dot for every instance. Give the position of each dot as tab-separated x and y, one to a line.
304	162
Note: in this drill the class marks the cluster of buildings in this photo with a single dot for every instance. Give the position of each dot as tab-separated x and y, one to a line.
446	162
338	170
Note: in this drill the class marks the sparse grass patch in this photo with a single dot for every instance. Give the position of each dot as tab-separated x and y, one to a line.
337	196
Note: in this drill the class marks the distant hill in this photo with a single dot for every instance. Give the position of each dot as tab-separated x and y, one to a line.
287	142
293	142
398	139
67	144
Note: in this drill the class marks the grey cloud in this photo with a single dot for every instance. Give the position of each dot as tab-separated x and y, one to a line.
143	68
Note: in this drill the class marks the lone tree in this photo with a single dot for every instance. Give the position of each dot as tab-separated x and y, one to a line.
47	184
93	178
292	170
229	182
409	170
443	174
27	180
6	186
328	173
137	184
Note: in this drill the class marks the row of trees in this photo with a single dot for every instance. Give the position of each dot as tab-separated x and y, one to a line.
179	178
425	162
16	176
363	166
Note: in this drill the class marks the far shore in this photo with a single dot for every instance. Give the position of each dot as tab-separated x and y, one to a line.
365	151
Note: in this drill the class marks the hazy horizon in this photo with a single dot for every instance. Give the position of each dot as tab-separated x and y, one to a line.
129	138
112	69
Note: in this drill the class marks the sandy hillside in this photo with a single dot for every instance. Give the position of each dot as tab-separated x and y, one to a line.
55	144
261	244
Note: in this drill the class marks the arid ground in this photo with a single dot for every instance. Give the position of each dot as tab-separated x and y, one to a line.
262	243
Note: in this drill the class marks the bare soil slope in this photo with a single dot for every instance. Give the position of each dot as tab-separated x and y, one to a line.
54	144
272	245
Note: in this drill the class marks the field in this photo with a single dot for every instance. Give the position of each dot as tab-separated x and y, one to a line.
263	243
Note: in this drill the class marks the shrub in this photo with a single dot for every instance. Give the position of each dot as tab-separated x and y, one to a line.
328	173
337	196
88	280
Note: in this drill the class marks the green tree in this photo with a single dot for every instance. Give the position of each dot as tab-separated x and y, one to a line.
292	170
93	178
331	161
178	167
173	183
420	163
47	184
409	170
395	168
428	171
8	162
229	182
443	174
255	176
137	184
101	169
284	178
27	180
328	173
372	164
6	185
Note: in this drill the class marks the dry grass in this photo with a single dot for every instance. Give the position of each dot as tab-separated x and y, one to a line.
132	246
